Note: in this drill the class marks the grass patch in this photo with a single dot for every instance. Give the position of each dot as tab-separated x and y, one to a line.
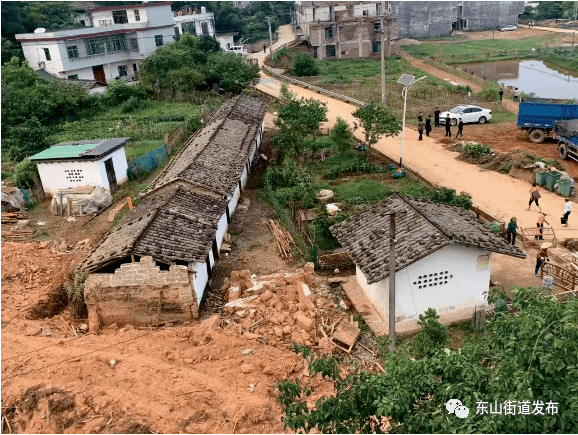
481	48
136	149
364	190
503	116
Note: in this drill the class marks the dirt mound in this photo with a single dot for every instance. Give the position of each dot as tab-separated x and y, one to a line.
33	275
196	379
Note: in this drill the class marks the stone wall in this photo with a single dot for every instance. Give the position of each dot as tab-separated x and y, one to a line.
134	293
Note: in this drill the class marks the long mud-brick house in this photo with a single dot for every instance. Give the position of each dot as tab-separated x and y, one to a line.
154	266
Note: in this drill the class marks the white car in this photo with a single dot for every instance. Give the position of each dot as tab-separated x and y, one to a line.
508	28
468	114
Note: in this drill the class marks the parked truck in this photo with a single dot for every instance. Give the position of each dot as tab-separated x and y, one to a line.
566	133
538	116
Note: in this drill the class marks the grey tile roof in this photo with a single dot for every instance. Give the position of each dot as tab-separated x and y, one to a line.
175	224
424	228
215	156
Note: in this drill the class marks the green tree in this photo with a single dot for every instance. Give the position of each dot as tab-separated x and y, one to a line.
304	65
185	80
342	136
377	121
298	121
25	139
26	174
52	15
232	72
527	356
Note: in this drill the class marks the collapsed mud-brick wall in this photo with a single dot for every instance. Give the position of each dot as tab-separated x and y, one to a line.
140	294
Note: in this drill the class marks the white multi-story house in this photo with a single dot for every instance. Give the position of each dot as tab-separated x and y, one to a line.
114	43
188	20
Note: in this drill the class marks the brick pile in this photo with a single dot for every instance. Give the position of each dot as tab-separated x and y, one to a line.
279	307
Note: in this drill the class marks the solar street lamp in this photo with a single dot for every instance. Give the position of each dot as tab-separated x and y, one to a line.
407	81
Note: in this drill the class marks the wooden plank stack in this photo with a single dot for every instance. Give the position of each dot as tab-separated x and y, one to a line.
283	238
12	218
17	235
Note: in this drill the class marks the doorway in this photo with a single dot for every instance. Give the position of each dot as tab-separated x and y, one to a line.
98	72
110	175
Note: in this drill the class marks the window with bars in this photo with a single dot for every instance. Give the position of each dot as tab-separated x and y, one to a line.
377	27
94	46
136	15
330	50
377	46
329	32
158	40
72	51
122	72
47	54
133	44
73	77
117	43
205	27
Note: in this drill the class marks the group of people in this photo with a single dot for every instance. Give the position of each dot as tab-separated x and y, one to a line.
425	124
512	229
517	94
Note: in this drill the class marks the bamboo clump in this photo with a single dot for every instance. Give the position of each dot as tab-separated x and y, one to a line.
283	238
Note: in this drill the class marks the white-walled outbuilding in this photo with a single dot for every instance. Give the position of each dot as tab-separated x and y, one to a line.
94	162
443	259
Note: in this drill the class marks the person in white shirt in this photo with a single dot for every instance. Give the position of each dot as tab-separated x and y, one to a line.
567	211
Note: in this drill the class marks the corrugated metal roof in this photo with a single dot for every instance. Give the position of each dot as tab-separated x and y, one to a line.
63	152
89	149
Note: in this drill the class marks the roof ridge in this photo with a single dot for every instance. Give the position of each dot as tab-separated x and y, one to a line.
436	225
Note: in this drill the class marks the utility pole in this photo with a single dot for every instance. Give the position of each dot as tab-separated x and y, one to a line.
270	37
382	67
575	10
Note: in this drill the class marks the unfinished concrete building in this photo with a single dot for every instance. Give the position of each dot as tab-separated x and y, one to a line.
438	18
345	30
179	224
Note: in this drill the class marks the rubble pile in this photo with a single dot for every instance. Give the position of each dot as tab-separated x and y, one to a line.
281	308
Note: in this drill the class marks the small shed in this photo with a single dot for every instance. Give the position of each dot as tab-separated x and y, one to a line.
95	162
443	258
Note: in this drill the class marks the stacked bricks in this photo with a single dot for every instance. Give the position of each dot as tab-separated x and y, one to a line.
131	295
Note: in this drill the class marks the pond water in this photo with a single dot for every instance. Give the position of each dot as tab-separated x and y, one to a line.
529	76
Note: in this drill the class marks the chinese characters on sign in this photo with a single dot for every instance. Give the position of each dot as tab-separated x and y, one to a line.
513	407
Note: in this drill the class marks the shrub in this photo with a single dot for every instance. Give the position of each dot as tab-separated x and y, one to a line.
304	65
475	150
25	174
119	91
369	190
319	229
75	291
488	94
448	196
342	136
132	104
432	336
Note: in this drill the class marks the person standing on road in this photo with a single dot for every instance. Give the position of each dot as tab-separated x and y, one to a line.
567	211
264	48
460	129
428	125
448	126
512	231
437	117
516	95
540	259
540	225
534	196
501	94
420	127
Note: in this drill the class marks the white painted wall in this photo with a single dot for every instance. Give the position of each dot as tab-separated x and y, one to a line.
232	206
53	174
34	53
225	41
198	19
221	231
465	289
200	280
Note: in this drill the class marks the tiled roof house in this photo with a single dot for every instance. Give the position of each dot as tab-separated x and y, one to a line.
443	257
184	214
